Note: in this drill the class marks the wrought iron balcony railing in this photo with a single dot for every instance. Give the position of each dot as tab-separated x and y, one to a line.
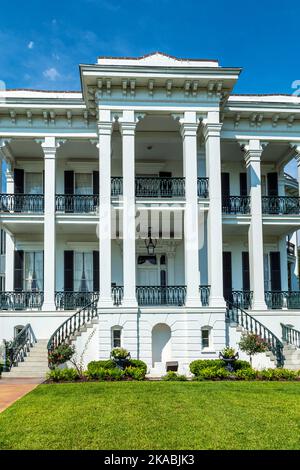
161	295
242	298
202	187
71	300
280	205
116	185
290	247
282	299
159	187
31	203
76	203
23	300
117	294
204	295
236	204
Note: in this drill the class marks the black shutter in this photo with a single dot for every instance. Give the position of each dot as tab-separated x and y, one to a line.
96	279
165	174
68	270
275	270
227	275
225	185
272	184
69	189
19	181
243	184
18	270
245	268
43	181
95	183
69	182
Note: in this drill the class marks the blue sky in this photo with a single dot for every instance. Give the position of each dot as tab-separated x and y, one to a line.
42	43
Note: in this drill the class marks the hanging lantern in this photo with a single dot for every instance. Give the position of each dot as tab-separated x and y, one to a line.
150	244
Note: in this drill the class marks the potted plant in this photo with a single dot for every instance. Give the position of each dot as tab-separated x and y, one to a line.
229	356
121	357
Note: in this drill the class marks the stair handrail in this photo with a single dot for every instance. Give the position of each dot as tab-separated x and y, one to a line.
251	324
18	349
72	325
290	335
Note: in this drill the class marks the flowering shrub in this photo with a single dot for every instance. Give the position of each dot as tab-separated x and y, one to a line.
228	352
61	354
252	344
120	353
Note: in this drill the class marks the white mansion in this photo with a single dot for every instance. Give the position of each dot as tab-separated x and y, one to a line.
153	209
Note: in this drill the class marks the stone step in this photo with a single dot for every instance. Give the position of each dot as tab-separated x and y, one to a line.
24	374
33	363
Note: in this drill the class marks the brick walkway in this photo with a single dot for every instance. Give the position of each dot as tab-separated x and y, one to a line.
13	389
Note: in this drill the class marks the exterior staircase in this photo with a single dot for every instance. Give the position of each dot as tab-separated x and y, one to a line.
244	322
291	341
33	365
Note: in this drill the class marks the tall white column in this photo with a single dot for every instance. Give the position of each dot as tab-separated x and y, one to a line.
127	129
49	146
283	263
10	242
212	131
189	127
105	128
255	236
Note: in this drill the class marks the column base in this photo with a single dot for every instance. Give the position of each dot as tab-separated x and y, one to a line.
129	302
259	305
193	302
217	302
105	302
49	307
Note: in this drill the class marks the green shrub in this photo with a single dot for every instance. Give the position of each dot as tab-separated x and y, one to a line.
173	376
212	373
114	374
138	363
120	353
277	374
63	375
98	373
228	352
136	373
241	365
246	374
94	366
199	364
61	354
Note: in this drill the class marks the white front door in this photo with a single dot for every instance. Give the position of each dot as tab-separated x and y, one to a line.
148	277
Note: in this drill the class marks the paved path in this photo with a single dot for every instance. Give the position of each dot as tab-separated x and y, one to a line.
13	389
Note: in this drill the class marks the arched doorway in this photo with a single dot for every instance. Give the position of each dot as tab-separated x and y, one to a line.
161	343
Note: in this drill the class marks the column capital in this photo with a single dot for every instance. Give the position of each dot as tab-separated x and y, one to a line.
50	145
211	129
188	129
127	128
105	127
252	150
296	147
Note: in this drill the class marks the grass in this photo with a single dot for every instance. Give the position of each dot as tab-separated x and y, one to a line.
155	415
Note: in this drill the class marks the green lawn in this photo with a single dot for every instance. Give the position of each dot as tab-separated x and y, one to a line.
155	415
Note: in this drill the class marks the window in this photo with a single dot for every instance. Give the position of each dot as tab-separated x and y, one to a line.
33	183
33	271
83	183
116	336
206	337
83	272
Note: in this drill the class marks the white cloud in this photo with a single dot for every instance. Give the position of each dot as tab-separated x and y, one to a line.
51	73
30	45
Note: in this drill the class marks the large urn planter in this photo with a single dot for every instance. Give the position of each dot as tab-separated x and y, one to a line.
229	360
121	357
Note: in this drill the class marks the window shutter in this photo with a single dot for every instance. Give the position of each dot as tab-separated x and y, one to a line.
243	184
69	182
272	184
227	275
19	181
245	268
68	270
225	185
95	183
18	270
275	270
96	278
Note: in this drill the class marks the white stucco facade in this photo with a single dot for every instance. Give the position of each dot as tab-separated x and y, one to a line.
154	147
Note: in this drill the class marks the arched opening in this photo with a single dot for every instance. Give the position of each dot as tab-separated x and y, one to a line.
161	343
